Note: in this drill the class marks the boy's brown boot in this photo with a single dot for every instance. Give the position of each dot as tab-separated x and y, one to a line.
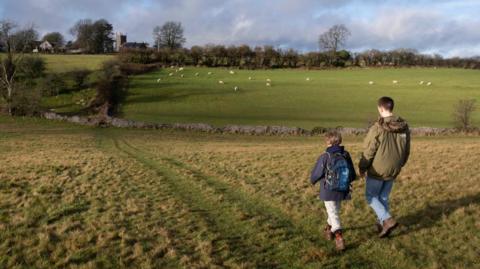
328	232
379	227
388	226
339	242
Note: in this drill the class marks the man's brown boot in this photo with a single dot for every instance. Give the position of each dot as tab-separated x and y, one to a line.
328	232
379	227
388	226
339	242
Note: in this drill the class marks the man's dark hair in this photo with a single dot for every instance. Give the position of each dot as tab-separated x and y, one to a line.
386	103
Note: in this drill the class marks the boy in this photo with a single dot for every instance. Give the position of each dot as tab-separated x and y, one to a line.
387	147
326	166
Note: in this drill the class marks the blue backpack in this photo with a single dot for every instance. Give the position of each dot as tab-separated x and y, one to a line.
338	173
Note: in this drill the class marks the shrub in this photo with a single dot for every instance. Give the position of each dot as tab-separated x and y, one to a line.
137	69
136	56
52	84
79	77
26	101
111	88
462	114
31	67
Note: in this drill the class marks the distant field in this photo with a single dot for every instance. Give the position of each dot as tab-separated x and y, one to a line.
66	62
62	63
77	197
331	97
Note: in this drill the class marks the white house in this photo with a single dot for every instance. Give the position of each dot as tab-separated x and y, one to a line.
46	46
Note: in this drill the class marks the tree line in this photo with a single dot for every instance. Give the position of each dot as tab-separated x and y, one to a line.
244	56
96	37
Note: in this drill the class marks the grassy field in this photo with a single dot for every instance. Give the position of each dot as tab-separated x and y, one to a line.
80	197
331	97
62	63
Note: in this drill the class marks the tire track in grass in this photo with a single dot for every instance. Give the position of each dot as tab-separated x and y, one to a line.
309	224
235	246
296	246
185	233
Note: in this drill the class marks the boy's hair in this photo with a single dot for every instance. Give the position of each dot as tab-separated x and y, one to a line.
386	103
333	138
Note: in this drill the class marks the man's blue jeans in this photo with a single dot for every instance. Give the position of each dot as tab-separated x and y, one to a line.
377	193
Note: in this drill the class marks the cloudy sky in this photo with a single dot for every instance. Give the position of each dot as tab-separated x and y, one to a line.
451	28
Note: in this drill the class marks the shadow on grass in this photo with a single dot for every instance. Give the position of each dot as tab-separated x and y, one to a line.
432	213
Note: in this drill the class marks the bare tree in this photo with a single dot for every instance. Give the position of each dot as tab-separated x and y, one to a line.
8	65
462	114
333	39
170	35
15	44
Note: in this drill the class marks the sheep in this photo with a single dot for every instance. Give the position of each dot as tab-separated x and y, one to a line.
232	72
176	70
182	75
371	82
395	82
307	79
171	74
269	80
180	69
429	83
158	80
236	88
209	73
197	74
421	82
221	82
249	78
269	84
172	67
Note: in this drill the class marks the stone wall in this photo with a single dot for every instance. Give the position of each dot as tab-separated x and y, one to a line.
105	121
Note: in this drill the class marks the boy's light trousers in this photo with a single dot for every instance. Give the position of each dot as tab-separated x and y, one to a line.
333	211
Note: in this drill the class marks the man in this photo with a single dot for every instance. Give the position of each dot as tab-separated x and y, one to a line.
386	151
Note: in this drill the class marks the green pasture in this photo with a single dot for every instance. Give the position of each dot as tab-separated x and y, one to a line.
330	98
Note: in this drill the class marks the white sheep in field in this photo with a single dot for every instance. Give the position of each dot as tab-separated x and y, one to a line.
395	82
182	75
421	82
269	80
236	88
269	84
172	67
429	83
249	78
371	82
171	74
307	79
158	80
197	74
209	73
221	82
232	72
180	69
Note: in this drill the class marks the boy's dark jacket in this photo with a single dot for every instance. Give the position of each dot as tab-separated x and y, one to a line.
387	148
318	174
